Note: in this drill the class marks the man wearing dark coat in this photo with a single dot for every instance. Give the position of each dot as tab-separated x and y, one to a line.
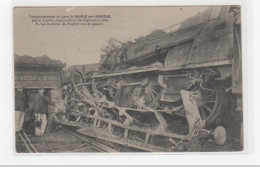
40	108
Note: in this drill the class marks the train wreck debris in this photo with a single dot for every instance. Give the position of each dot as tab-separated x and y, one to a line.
173	90
108	114
139	104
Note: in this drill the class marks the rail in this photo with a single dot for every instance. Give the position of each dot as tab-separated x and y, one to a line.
27	143
95	144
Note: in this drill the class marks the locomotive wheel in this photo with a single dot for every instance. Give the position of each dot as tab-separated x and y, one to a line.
210	103
125	96
151	95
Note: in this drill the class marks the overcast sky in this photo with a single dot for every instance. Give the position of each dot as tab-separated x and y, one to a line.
82	44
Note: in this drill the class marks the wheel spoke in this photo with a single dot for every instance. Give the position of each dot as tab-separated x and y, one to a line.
203	113
209	101
208	96
154	92
145	99
149	98
152	96
206	107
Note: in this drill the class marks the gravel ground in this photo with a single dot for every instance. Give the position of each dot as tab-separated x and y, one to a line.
58	141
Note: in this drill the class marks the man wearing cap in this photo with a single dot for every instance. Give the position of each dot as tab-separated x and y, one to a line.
19	109
41	109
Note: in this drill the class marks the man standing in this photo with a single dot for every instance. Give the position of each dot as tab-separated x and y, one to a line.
19	109
41	109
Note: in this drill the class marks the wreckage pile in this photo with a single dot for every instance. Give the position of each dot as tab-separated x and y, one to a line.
165	93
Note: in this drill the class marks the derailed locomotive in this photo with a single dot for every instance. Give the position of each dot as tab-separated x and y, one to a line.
165	91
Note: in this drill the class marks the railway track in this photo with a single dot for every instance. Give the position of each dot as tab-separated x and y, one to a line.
97	146
93	138
93	143
27	142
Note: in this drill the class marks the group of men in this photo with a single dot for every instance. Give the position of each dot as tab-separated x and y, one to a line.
38	108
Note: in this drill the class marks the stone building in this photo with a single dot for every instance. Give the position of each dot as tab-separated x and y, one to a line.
32	74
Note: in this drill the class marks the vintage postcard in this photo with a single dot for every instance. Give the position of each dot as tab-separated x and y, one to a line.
128	79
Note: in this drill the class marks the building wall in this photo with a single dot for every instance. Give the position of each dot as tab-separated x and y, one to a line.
38	77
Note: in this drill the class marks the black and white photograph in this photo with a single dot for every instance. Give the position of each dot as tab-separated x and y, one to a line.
128	79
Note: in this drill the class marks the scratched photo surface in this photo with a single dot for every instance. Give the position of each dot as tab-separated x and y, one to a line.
128	79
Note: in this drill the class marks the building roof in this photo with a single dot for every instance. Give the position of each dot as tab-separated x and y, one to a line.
44	60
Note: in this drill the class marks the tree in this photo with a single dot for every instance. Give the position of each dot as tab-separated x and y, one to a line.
108	48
